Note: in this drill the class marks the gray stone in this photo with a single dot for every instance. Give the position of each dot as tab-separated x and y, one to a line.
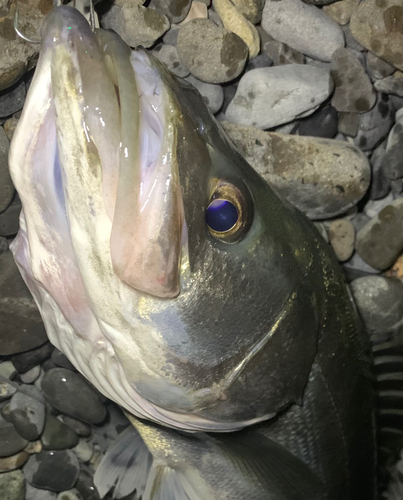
84	450
52	470
7	369
135	24
69	393
341	11
12	99
375	124
13	462
3	244
57	435
322	123
6	390
373	207
392	161
212	54
85	485
31	375
351	42
168	54
391	85
72	494
10	441
6	184
353	89
22	328
175	10
12	485
212	94
281	53
322	177
9	219
378	68
396	101
341	237
38	494
250	9
380	185
78	427
24	361
171	36
61	360
302	27
380	302
28	415
267	97
396	187
260	61
380	241
356	267
349	123
10	126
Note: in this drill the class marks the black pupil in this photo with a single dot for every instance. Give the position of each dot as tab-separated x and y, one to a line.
221	215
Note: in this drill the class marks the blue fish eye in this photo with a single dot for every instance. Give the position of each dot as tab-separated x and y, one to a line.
221	215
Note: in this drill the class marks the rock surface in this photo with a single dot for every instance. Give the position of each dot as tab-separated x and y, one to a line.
341	237
6	184
12	485
175	10
28	415
212	94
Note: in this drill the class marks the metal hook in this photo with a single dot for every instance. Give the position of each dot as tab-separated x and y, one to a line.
17	30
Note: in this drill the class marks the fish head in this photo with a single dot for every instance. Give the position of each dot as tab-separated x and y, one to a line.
164	266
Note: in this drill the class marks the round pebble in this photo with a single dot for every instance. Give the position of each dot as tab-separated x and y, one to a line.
85	485
348	123
322	123
57	435
378	68
341	237
72	494
6	390
380	184
78	427
12	485
10	441
392	161
168	54
12	99
61	360
31	375
28	415
212	94
24	361
281	53
69	393
13	462
175	10
341	11
38	494
84	450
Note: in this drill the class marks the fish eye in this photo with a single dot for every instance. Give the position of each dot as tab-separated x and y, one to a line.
227	215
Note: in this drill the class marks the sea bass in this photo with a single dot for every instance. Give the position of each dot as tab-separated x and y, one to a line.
182	286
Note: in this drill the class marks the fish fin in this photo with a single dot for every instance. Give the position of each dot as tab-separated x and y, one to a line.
165	483
279	472
125	466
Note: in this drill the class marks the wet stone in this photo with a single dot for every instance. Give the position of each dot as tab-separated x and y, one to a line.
10	441
391	85
9	219
24	361
84	450
22	324
380	302
168	54
12	485
85	485
381	241
380	184
212	94
72	494
52	470
78	427
13	462
61	360
267	97
281	53
322	123
28	415
348	123
341	237
69	393
211	53
31	375
378	26
378	68
12	99
38	494
175	10
291	22
57	435
353	89
6	390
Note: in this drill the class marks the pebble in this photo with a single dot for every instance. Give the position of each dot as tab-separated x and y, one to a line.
6	390
171	36
380	185
24	361
10	441
391	85
213	94
263	60
168	54
9	219
57	435
341	237
234	21
353	90
267	97
198	10
348	123
61	360
303	27
6	184
84	450
378	68
322	177
53	470
85	485
251	9
28	415
175	10
381	240
10	126
33	447
378	26
380	303
7	369
13	462
356	268
78	427
3	244
375	124
12	99
72	494
31	375
69	393
211	53
322	123
341	11
281	53
136	25
38	494
392	161
373	207
12	485
22	324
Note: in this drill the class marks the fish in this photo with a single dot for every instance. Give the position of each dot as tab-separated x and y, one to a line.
183	287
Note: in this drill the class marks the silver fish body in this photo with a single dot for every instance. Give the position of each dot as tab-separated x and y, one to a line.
117	163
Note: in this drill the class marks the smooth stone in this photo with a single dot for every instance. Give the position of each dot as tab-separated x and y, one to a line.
33	447
380	303
234	21
57	435
13	462
341	237
348	123
321	227
171	36
212	94
341	11
212	54
303	27
375	124
281	53
213	16
38	494
378	26
322	123
135	24
321	177
7	369
61	360
229	94
267	97
380	185
9	219
175	10
392	161
12	485
3	244
28	416
168	54
396	187
260	61
10	126
6	184
396	101
78	427
10	441
353	91
391	85
356	268
12	99
31	375
24	361
6	390
373	207
251	9
378	68
72	494
23	327
84	450
53	470
351	42
380	241
69	393
198	10
85	485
